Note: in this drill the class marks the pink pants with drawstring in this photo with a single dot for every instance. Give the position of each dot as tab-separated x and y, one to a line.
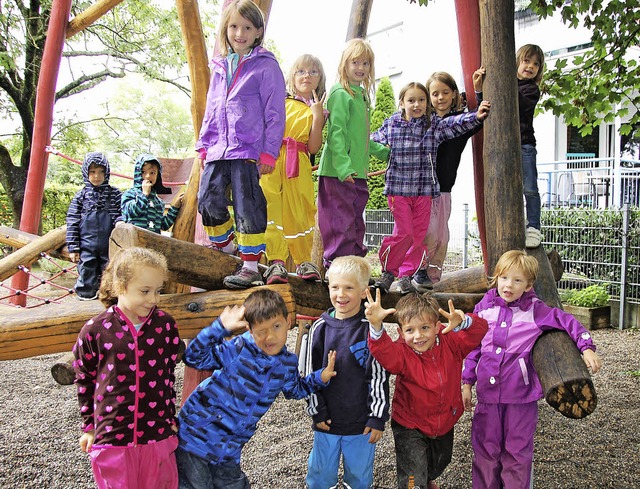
151	466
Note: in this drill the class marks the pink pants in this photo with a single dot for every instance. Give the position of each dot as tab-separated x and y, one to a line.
402	252
151	466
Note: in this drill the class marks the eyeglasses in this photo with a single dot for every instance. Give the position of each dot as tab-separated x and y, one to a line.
312	73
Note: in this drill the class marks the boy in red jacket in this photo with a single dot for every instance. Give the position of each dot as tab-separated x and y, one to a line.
428	365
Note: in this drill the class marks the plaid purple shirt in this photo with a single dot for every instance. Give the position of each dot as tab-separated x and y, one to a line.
414	146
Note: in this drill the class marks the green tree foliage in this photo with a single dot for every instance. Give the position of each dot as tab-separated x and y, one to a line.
134	37
385	107
603	81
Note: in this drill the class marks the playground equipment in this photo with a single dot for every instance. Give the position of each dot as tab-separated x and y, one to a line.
565	379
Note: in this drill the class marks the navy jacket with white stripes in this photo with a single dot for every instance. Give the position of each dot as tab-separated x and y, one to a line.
358	396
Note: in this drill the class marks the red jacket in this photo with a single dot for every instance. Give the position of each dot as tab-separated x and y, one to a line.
428	385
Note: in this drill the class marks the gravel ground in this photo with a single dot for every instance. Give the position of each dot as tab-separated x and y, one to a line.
39	433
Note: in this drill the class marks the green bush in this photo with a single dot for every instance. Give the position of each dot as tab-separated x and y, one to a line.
596	295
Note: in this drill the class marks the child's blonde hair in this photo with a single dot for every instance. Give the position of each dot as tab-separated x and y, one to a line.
403	92
448	80
415	305
249	11
307	60
351	265
357	49
518	260
527	51
122	268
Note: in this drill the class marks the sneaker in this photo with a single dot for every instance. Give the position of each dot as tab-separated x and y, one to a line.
533	237
405	286
276	274
243	279
308	271
384	282
88	298
421	281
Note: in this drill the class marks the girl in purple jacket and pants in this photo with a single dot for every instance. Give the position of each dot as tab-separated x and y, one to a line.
507	385
240	139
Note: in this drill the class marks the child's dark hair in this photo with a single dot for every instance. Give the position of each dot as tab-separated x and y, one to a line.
406	88
527	51
415	305
122	268
248	10
516	259
448	80
262	305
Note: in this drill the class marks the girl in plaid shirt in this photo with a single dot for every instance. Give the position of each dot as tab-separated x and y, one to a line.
411	182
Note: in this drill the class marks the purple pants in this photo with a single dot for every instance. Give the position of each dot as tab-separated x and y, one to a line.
402	252
502	441
151	466
341	217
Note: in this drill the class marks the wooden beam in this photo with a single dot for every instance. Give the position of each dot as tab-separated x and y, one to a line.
19	239
359	19
54	328
87	17
30	253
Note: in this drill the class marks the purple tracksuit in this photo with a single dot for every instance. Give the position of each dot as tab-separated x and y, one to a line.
508	387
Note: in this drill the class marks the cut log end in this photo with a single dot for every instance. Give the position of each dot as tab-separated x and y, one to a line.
576	400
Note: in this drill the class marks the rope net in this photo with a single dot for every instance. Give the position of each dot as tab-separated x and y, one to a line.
41	290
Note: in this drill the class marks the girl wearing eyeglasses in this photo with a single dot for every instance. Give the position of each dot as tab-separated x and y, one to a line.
289	191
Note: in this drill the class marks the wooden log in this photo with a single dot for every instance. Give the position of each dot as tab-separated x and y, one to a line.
62	371
30	253
555	260
468	280
89	16
54	328
19	239
504	211
566	383
359	19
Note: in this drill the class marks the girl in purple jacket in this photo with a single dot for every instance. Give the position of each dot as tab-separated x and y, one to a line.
240	139
507	385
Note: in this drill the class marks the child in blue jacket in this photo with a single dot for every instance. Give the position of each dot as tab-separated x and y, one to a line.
90	219
249	372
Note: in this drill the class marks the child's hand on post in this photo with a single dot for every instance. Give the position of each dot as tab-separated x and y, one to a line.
478	78
177	201
330	370
146	187
455	317
374	312
592	360
232	319
375	435
483	110
466	398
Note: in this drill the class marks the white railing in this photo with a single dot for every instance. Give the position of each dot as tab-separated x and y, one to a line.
597	183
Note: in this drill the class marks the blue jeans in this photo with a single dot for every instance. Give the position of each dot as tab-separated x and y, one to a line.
196	473
530	184
324	460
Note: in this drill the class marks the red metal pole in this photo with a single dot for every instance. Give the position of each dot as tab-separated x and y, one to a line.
468	18
45	99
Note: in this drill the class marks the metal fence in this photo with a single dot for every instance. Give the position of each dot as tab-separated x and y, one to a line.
596	246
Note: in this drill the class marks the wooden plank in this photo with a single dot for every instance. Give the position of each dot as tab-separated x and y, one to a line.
54	328
30	253
19	239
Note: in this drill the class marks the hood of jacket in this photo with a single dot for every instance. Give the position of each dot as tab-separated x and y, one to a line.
158	187
95	158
